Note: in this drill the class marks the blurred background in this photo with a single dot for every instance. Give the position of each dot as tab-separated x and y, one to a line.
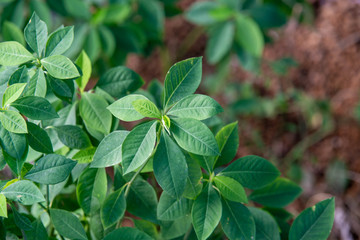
287	70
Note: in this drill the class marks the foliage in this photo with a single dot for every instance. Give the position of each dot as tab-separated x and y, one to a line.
79	175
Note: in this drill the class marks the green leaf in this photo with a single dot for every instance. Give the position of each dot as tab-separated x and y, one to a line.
220	41
13	121
182	80
11	32
138	146
36	34
113	208
142	200
84	63
12	93
252	172
193	185
228	141
194	136
91	189
120	81
278	194
16	165
94	113
38	139
206	212
38	231
230	189
314	222
195	106
249	36
13	144
24	192
51	169
237	221
59	41
170	167
73	136
205	162
36	108
200	13
266	226
21	221
36	85
13	53
126	233
84	155
3	206
19	76
124	110
170	208
60	67
92	44
176	228
108	152
63	89
67	224
146	108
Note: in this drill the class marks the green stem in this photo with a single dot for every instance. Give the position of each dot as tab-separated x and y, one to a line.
48	198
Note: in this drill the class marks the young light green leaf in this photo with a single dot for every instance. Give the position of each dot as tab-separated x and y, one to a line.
59	41
170	208
249	36
108	152
13	53
91	189
230	189
24	192
36	34
195	106
3	206
266	226
138	146
228	141
84	155
206	212
220	42
170	167
120	81
182	79
60	67
146	108
36	108
126	233
67	224
38	139
13	144
237	221
12	93
51	169
252	172
278	194
194	136
142	200
113	208
73	136
36	85
124	110
314	222
13	121
93	110
84	63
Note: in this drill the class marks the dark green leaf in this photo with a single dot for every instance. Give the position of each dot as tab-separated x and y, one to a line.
170	167
67	224
21	221
113	208
73	136
51	169
170	208
36	34
38	138
126	233
36	108
11	32
193	182
38	231
278	194
228	141
252	172
59	41
266	226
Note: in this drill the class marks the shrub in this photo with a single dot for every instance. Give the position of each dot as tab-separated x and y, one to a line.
79	175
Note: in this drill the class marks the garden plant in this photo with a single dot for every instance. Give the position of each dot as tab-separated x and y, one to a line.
77	174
